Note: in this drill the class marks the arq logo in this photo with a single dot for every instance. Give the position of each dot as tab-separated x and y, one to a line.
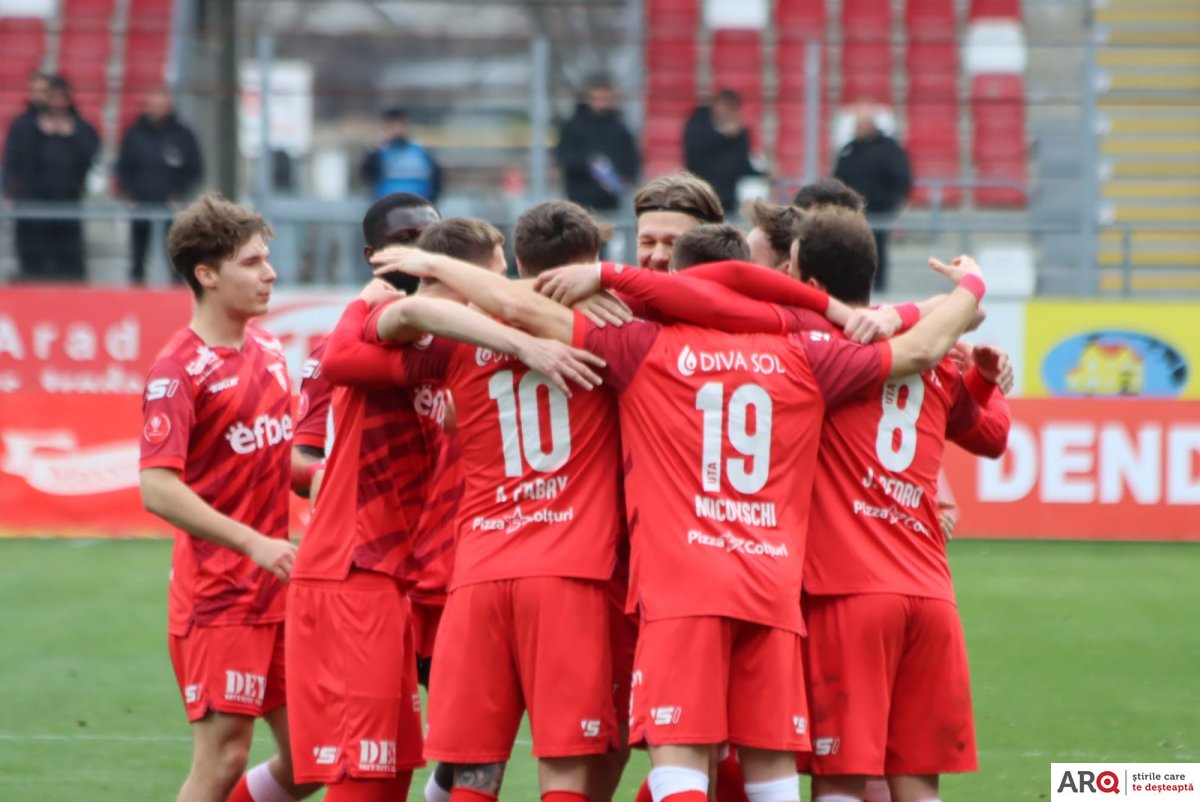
1088	782
1115	363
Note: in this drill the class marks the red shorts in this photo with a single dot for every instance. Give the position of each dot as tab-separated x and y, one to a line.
707	680
539	642
889	688
623	633
425	620
353	702
234	669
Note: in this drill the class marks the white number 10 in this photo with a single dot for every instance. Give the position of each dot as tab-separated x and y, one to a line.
746	475
528	432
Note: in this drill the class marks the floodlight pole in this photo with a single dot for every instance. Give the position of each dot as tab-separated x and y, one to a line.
224	28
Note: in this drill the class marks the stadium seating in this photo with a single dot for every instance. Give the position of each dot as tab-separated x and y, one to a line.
932	146
867	52
999	144
672	18
930	21
799	20
994	9
791	141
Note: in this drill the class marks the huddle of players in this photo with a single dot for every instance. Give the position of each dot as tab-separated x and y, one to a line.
442	414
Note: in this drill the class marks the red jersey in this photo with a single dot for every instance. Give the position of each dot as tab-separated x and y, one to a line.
541	469
222	417
433	547
876	529
720	435
312	411
379	469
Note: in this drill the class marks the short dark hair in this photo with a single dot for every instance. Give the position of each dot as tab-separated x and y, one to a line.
680	192
778	222
463	238
598	80
829	192
553	234
208	232
59	84
394	114
836	247
729	96
709	243
374	224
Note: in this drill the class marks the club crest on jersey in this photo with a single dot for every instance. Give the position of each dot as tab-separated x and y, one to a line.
279	371
157	427
691	362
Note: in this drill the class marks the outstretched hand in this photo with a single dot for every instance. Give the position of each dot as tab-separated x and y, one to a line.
403	259
571	284
995	366
958	269
561	363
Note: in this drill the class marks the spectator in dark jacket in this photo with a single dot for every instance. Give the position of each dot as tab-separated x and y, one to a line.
39	90
596	152
49	161
159	164
716	146
876	167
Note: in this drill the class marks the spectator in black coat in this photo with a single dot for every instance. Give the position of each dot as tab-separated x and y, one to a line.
716	146
49	161
876	167
597	153
159	163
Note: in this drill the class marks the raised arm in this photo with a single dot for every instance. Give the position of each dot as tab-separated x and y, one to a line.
685	299
923	346
515	303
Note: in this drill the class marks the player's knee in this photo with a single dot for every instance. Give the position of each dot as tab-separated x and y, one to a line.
231	762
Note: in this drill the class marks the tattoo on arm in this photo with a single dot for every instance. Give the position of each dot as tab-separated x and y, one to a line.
485	777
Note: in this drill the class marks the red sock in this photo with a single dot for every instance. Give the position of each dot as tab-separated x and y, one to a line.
564	796
241	792
731	785
643	794
470	795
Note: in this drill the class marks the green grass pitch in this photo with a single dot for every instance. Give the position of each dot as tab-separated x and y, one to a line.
1079	651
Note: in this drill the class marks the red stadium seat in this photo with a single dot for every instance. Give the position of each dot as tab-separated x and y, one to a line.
791	141
737	63
671	87
671	55
867	21
93	15
1015	171
994	9
672	17
930	21
797	20
150	16
933	150
867	72
23	43
932	86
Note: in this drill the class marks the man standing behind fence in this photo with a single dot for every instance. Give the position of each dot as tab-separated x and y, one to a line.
159	164
399	164
875	166
48	161
598	156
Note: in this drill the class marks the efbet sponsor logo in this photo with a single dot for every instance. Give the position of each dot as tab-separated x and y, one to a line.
692	362
432	403
740	545
376	755
249	689
266	431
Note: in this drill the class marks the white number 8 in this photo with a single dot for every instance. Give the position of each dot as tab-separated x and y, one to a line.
894	456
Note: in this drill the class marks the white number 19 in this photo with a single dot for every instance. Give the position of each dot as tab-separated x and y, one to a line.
746	475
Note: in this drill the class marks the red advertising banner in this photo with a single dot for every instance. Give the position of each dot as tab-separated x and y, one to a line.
73	364
1103	469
